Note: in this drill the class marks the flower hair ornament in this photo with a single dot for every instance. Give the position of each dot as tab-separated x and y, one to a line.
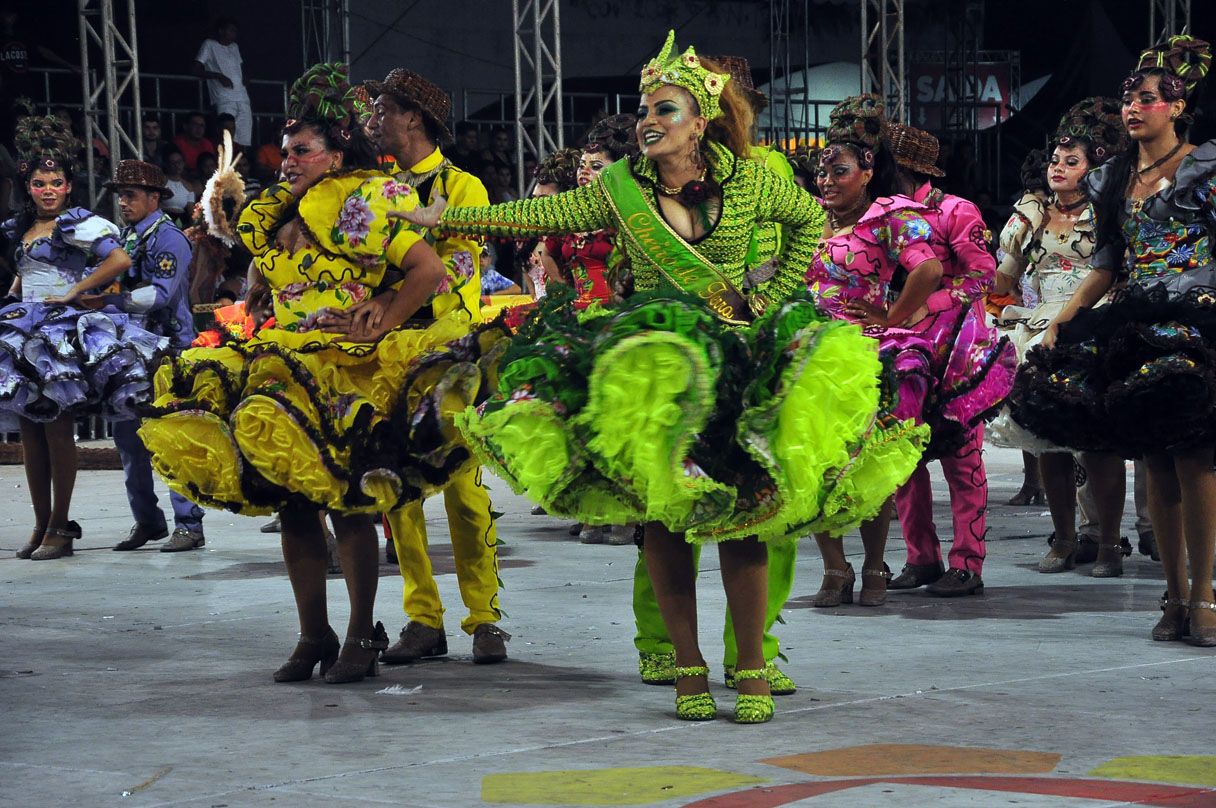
1186	61
1096	122
45	143
685	71
323	95
861	121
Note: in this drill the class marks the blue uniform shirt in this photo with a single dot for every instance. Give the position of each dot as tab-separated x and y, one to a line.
157	285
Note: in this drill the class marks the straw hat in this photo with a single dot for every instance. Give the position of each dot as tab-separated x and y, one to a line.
139	174
914	149
408	87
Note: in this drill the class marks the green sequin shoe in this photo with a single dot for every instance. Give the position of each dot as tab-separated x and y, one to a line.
696	706
657	669
753	709
778	682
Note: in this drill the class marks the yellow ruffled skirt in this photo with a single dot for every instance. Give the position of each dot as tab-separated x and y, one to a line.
288	418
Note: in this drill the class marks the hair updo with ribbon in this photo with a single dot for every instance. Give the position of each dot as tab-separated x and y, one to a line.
1095	124
615	136
323	100
1181	63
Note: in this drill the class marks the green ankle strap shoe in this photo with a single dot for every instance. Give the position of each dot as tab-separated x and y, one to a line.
778	682
695	706
750	709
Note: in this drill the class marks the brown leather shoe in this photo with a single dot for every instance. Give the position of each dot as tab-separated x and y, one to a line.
184	539
489	644
417	641
141	535
956	582
914	575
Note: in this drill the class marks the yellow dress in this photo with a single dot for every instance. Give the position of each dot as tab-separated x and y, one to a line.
296	415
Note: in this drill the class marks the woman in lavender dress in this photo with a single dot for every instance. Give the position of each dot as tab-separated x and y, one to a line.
58	358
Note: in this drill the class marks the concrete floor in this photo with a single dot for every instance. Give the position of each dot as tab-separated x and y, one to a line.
143	679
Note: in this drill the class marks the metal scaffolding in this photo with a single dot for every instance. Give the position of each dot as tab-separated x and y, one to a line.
325	29
962	64
1167	18
119	71
538	67
883	64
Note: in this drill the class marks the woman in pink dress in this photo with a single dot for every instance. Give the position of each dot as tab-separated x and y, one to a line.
870	236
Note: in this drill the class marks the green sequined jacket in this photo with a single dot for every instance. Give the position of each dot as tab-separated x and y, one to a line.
751	195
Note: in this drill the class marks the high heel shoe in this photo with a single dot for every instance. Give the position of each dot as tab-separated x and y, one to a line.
1109	568
32	544
1060	563
1202	636
299	667
752	708
696	706
827	597
874	595
1027	495
345	670
1172	625
46	552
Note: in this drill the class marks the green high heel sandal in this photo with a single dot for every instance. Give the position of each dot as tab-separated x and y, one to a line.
695	706
778	682
752	709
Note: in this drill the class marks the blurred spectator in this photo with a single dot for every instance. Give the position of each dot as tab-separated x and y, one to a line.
183	193
193	141
207	164
156	148
500	184
267	161
253	186
500	154
219	61
465	152
492	281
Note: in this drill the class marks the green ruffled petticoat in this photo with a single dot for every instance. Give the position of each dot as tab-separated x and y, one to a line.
654	411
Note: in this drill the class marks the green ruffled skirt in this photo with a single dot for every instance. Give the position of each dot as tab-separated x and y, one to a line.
654	411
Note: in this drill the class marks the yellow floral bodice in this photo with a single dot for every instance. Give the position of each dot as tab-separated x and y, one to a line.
351	239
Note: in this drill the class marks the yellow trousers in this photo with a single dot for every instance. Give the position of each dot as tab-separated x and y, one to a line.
474	548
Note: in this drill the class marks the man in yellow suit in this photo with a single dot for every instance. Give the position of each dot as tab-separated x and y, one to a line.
409	121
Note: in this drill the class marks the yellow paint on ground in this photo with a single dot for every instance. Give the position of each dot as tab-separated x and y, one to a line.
1194	770
638	786
911	759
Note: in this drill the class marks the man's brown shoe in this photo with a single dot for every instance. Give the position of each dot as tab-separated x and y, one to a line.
489	644
141	535
417	641
914	575
957	582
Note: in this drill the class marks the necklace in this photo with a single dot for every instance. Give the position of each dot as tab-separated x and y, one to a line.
1165	159
669	191
847	218
1071	206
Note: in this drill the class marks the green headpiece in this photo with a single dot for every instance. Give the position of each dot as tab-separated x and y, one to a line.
1183	56
685	71
44	142
323	95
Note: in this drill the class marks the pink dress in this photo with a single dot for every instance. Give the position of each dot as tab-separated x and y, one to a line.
860	265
